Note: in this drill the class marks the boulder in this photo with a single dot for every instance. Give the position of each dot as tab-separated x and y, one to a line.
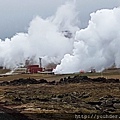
107	103
116	105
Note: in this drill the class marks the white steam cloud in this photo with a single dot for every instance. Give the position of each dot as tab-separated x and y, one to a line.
44	39
96	46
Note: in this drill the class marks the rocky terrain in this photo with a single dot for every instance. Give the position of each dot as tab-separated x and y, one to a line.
43	99
65	80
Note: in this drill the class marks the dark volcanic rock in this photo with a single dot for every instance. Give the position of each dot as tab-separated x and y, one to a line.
99	79
4	83
75	79
95	103
22	81
107	103
112	80
42	81
66	80
80	79
116	105
52	83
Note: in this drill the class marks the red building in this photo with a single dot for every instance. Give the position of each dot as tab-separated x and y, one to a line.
34	69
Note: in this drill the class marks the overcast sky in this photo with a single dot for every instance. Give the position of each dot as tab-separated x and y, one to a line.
15	15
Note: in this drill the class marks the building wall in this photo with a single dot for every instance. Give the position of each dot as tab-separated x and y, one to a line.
34	69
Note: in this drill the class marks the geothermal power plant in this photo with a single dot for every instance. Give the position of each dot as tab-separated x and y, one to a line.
30	68
61	40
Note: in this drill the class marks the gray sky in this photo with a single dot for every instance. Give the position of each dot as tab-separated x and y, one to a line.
15	15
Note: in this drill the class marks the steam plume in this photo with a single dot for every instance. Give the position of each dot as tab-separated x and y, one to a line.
44	39
95	46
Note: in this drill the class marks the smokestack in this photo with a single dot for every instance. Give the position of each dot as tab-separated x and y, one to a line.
40	60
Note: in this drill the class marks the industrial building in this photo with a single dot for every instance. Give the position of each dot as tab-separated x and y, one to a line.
34	69
31	69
